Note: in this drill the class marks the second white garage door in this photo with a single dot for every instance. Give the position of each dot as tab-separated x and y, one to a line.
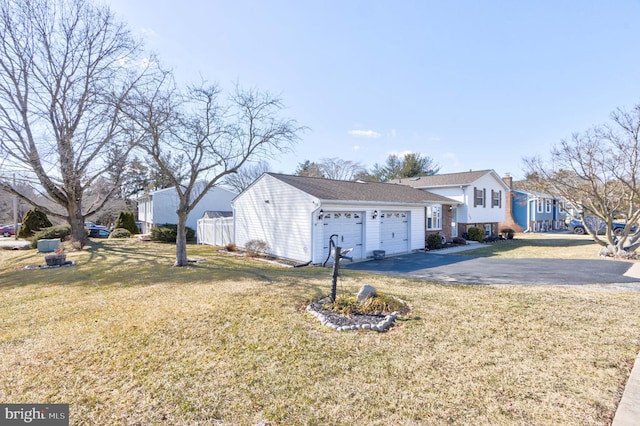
394	232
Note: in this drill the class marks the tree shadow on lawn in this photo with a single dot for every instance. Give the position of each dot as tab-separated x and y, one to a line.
152	263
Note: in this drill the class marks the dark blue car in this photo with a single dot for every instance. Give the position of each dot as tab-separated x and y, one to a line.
577	227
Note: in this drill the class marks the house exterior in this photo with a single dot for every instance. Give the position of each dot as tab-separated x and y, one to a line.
297	215
159	207
534	211
480	194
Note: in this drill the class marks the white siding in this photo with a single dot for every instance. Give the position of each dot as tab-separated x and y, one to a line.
467	213
274	212
160	207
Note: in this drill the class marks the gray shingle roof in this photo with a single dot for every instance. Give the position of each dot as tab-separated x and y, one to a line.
447	179
327	189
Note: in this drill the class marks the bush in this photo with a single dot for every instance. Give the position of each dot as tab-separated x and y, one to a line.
120	233
256	248
459	240
126	220
475	234
231	247
168	233
62	231
507	233
32	222
434	241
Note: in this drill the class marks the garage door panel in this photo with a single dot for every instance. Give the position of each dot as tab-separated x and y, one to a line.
394	231
347	225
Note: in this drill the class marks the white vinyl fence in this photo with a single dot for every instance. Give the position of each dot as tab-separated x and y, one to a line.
215	232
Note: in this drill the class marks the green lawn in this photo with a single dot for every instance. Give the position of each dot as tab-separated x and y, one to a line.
127	339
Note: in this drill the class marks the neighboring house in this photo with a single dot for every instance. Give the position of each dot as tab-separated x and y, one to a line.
534	211
159	207
296	216
481	196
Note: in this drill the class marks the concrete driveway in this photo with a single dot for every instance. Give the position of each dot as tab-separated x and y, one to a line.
482	270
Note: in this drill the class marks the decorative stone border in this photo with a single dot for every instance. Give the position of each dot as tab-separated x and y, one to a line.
357	322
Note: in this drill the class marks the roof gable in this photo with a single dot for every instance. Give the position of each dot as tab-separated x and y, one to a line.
339	190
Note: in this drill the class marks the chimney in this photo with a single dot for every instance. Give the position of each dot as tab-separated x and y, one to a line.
509	221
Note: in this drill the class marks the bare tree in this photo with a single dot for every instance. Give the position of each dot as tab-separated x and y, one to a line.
338	169
597	171
66	66
246	175
197	142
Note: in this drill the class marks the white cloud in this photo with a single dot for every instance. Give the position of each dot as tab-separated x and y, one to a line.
356	147
364	133
453	158
147	32
393	133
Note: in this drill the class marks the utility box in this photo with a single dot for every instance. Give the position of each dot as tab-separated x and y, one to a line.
378	254
48	245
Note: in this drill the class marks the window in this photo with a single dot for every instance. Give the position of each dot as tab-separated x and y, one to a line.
540	205
496	198
547	204
478	197
434	215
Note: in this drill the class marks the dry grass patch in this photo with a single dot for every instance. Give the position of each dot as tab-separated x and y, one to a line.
539	246
127	339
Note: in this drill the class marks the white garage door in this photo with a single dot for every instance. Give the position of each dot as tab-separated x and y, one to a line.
348	228
394	232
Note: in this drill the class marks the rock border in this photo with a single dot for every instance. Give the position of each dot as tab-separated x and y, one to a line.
338	322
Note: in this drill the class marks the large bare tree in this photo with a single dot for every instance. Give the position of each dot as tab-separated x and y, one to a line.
65	68
597	172
197	140
246	175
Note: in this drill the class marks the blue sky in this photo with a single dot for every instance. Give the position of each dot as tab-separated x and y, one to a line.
472	84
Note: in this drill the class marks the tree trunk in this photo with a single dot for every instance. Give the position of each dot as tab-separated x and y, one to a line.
76	221
181	240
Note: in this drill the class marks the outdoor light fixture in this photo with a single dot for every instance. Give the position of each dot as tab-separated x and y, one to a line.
375	214
321	213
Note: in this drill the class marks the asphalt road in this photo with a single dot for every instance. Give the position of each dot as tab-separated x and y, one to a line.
481	270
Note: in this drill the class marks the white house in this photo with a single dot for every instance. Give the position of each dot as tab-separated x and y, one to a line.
481	194
296	216
160	207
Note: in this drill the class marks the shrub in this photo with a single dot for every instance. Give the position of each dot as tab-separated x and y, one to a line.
434	241
62	231
120	233
459	240
507	233
256	248
231	247
475	234
126	220
380	304
168	233
32	222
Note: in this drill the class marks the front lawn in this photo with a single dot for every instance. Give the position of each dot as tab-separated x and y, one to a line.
127	339
539	245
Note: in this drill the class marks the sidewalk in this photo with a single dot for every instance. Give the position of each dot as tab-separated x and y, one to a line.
628	413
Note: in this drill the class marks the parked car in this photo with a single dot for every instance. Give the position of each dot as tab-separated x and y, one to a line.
99	233
8	230
577	227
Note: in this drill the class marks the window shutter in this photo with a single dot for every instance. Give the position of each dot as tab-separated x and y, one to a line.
484	197
475	197
492	192
500	202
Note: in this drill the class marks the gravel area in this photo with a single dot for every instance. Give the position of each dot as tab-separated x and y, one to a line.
339	322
